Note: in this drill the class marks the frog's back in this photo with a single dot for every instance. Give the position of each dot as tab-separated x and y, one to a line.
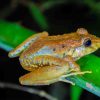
48	45
40	47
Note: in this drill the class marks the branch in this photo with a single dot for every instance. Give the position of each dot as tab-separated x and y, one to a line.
27	89
85	85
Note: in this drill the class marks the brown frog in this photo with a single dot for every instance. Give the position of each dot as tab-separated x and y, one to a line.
52	58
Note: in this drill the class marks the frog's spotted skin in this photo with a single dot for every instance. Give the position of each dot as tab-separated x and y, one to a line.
49	58
17	51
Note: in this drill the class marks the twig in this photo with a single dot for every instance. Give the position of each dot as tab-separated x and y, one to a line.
50	4
27	89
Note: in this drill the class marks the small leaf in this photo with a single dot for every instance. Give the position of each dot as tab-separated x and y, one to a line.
38	16
75	92
49	4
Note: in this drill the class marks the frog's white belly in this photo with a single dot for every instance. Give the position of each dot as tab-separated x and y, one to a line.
43	51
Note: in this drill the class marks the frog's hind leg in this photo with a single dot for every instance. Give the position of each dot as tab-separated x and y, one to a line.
63	78
16	52
43	75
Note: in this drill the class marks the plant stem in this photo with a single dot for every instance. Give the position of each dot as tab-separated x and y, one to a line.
27	89
85	85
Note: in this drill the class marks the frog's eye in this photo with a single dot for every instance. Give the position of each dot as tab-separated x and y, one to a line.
87	42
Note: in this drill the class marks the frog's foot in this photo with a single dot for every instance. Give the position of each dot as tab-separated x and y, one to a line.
76	73
63	78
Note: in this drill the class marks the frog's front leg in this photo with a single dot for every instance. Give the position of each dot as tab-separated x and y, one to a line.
16	52
73	65
63	78
75	70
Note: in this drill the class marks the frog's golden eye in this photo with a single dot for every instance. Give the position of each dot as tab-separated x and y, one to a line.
87	42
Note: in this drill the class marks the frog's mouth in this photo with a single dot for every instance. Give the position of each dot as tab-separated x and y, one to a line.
78	52
82	50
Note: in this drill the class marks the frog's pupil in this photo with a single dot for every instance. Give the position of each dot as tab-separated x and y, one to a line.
54	49
87	43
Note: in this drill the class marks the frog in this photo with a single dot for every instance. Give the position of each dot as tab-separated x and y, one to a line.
49	59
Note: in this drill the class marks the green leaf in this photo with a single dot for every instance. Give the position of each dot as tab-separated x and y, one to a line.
12	34
91	62
75	92
90	82
38	16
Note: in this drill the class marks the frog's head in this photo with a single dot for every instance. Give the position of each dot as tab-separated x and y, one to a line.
87	43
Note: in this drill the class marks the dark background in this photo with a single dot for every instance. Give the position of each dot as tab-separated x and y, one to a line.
62	18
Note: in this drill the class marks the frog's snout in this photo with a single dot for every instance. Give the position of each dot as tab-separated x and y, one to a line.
97	42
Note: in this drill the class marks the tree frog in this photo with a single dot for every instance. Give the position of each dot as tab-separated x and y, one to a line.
51	59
